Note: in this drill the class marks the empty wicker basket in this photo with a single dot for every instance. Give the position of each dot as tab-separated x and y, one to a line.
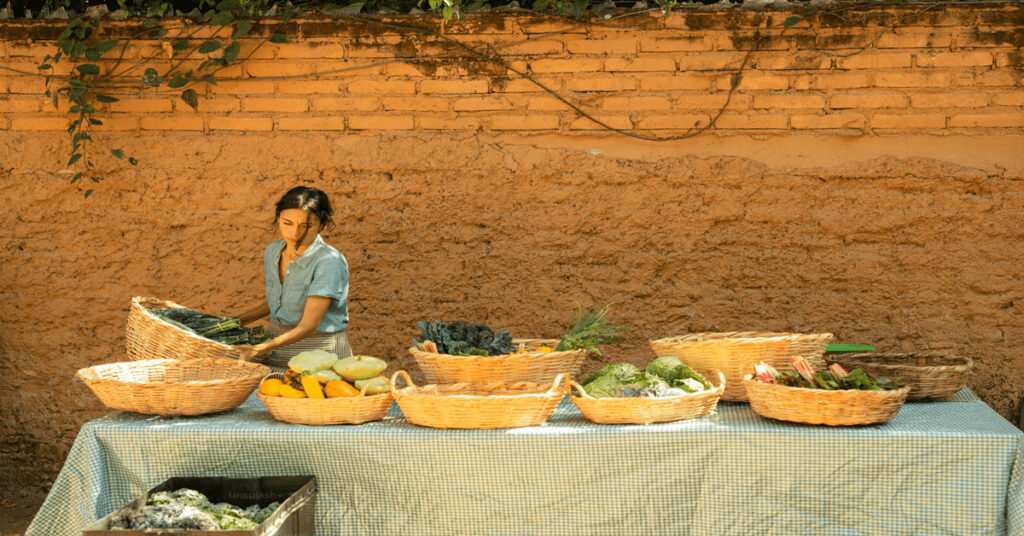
532	366
478	405
842	407
648	410
172	386
927	375
736	353
318	412
148	336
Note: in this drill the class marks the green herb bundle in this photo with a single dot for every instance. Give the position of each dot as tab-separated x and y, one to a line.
589	329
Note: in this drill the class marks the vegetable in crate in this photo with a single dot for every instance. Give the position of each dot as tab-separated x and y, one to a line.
463	338
189	509
590	329
222	329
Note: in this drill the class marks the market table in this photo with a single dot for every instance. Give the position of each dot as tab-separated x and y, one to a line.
940	467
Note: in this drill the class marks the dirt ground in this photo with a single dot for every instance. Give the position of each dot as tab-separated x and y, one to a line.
15	515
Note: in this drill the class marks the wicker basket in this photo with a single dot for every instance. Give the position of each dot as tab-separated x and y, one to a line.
340	410
535	367
736	353
648	410
842	407
478	405
173	386
148	336
927	375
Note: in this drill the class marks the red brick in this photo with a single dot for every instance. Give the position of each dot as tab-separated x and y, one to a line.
209	105
675	44
911	79
601	46
311	123
380	122
242	123
710	101
416	103
908	121
751	121
832	81
468	104
275	68
371	85
754	80
24	85
541	26
1005	60
8	105
1011	98
949	100
789	61
118	123
39	123
310	50
829	121
644	64
867	60
5	123
141	105
277	104
914	38
522	85
447	123
711	61
547	104
601	83
998	120
333	104
572	65
774	102
3	86
673	122
171	123
986	78
453	86
525	122
637	103
954	59
670	83
620	122
308	87
414	69
872	99
532	48
240	87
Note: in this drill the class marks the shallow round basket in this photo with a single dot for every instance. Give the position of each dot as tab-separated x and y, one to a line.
643	410
736	353
174	386
539	367
479	406
148	336
842	407
927	375
318	412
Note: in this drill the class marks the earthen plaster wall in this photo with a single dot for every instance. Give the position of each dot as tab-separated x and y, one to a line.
865	178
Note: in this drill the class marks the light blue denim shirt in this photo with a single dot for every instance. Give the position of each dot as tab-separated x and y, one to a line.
320	271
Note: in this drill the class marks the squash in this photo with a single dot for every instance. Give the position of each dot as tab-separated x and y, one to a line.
340	388
376	385
290	392
311	386
271	386
359	367
543	349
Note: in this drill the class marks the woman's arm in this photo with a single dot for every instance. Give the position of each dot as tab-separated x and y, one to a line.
312	314
257	312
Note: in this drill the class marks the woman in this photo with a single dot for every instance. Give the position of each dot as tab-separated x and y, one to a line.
306	284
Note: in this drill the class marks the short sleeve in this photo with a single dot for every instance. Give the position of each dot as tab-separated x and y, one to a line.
330	278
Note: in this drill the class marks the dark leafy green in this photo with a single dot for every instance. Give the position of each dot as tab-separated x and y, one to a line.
223	329
464	338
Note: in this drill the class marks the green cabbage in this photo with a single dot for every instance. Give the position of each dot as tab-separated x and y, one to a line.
602	386
646	380
664	367
622	371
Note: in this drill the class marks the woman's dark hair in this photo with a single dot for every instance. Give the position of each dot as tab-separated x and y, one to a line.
311	200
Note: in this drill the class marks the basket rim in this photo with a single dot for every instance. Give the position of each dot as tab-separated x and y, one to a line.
533	391
964	363
84	373
740	336
416	351
714	391
880	395
136	303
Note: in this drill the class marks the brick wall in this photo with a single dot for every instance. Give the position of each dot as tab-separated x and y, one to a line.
863	180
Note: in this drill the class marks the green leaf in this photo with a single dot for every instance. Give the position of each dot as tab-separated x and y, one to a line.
842	347
162	33
150	22
132	161
180	80
106	98
241	28
74	158
105	46
150	78
278	38
229	5
180	44
811	11
45	66
65	34
189	96
791	21
77	176
288	14
95	121
541	5
94	179
74	109
80	136
222	18
88	192
92	54
209	79
208	46
118	153
88	68
231	52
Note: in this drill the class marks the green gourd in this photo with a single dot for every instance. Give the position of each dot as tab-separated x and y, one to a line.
375	385
359	367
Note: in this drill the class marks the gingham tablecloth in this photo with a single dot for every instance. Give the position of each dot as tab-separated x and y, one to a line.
948	467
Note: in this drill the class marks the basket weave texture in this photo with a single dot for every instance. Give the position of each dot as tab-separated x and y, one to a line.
479	406
319	412
148	336
842	407
174	386
648	410
535	367
736	353
927	375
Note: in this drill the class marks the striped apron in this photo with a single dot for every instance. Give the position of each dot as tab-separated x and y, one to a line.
335	343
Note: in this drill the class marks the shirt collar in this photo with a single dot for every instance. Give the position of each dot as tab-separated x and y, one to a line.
308	254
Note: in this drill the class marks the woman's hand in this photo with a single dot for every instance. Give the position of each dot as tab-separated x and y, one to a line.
248	352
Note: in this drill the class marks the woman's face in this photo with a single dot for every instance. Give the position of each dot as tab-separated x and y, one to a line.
298	228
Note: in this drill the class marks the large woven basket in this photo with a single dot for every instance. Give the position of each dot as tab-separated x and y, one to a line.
736	353
841	407
927	375
318	412
647	410
478	405
532	366
148	336
174	386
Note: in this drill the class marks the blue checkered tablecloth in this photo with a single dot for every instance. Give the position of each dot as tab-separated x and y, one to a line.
940	467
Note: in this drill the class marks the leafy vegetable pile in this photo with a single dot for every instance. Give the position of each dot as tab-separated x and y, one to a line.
189	509
833	379
665	376
223	329
463	338
590	329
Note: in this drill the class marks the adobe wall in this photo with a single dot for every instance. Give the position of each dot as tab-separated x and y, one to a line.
865	178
